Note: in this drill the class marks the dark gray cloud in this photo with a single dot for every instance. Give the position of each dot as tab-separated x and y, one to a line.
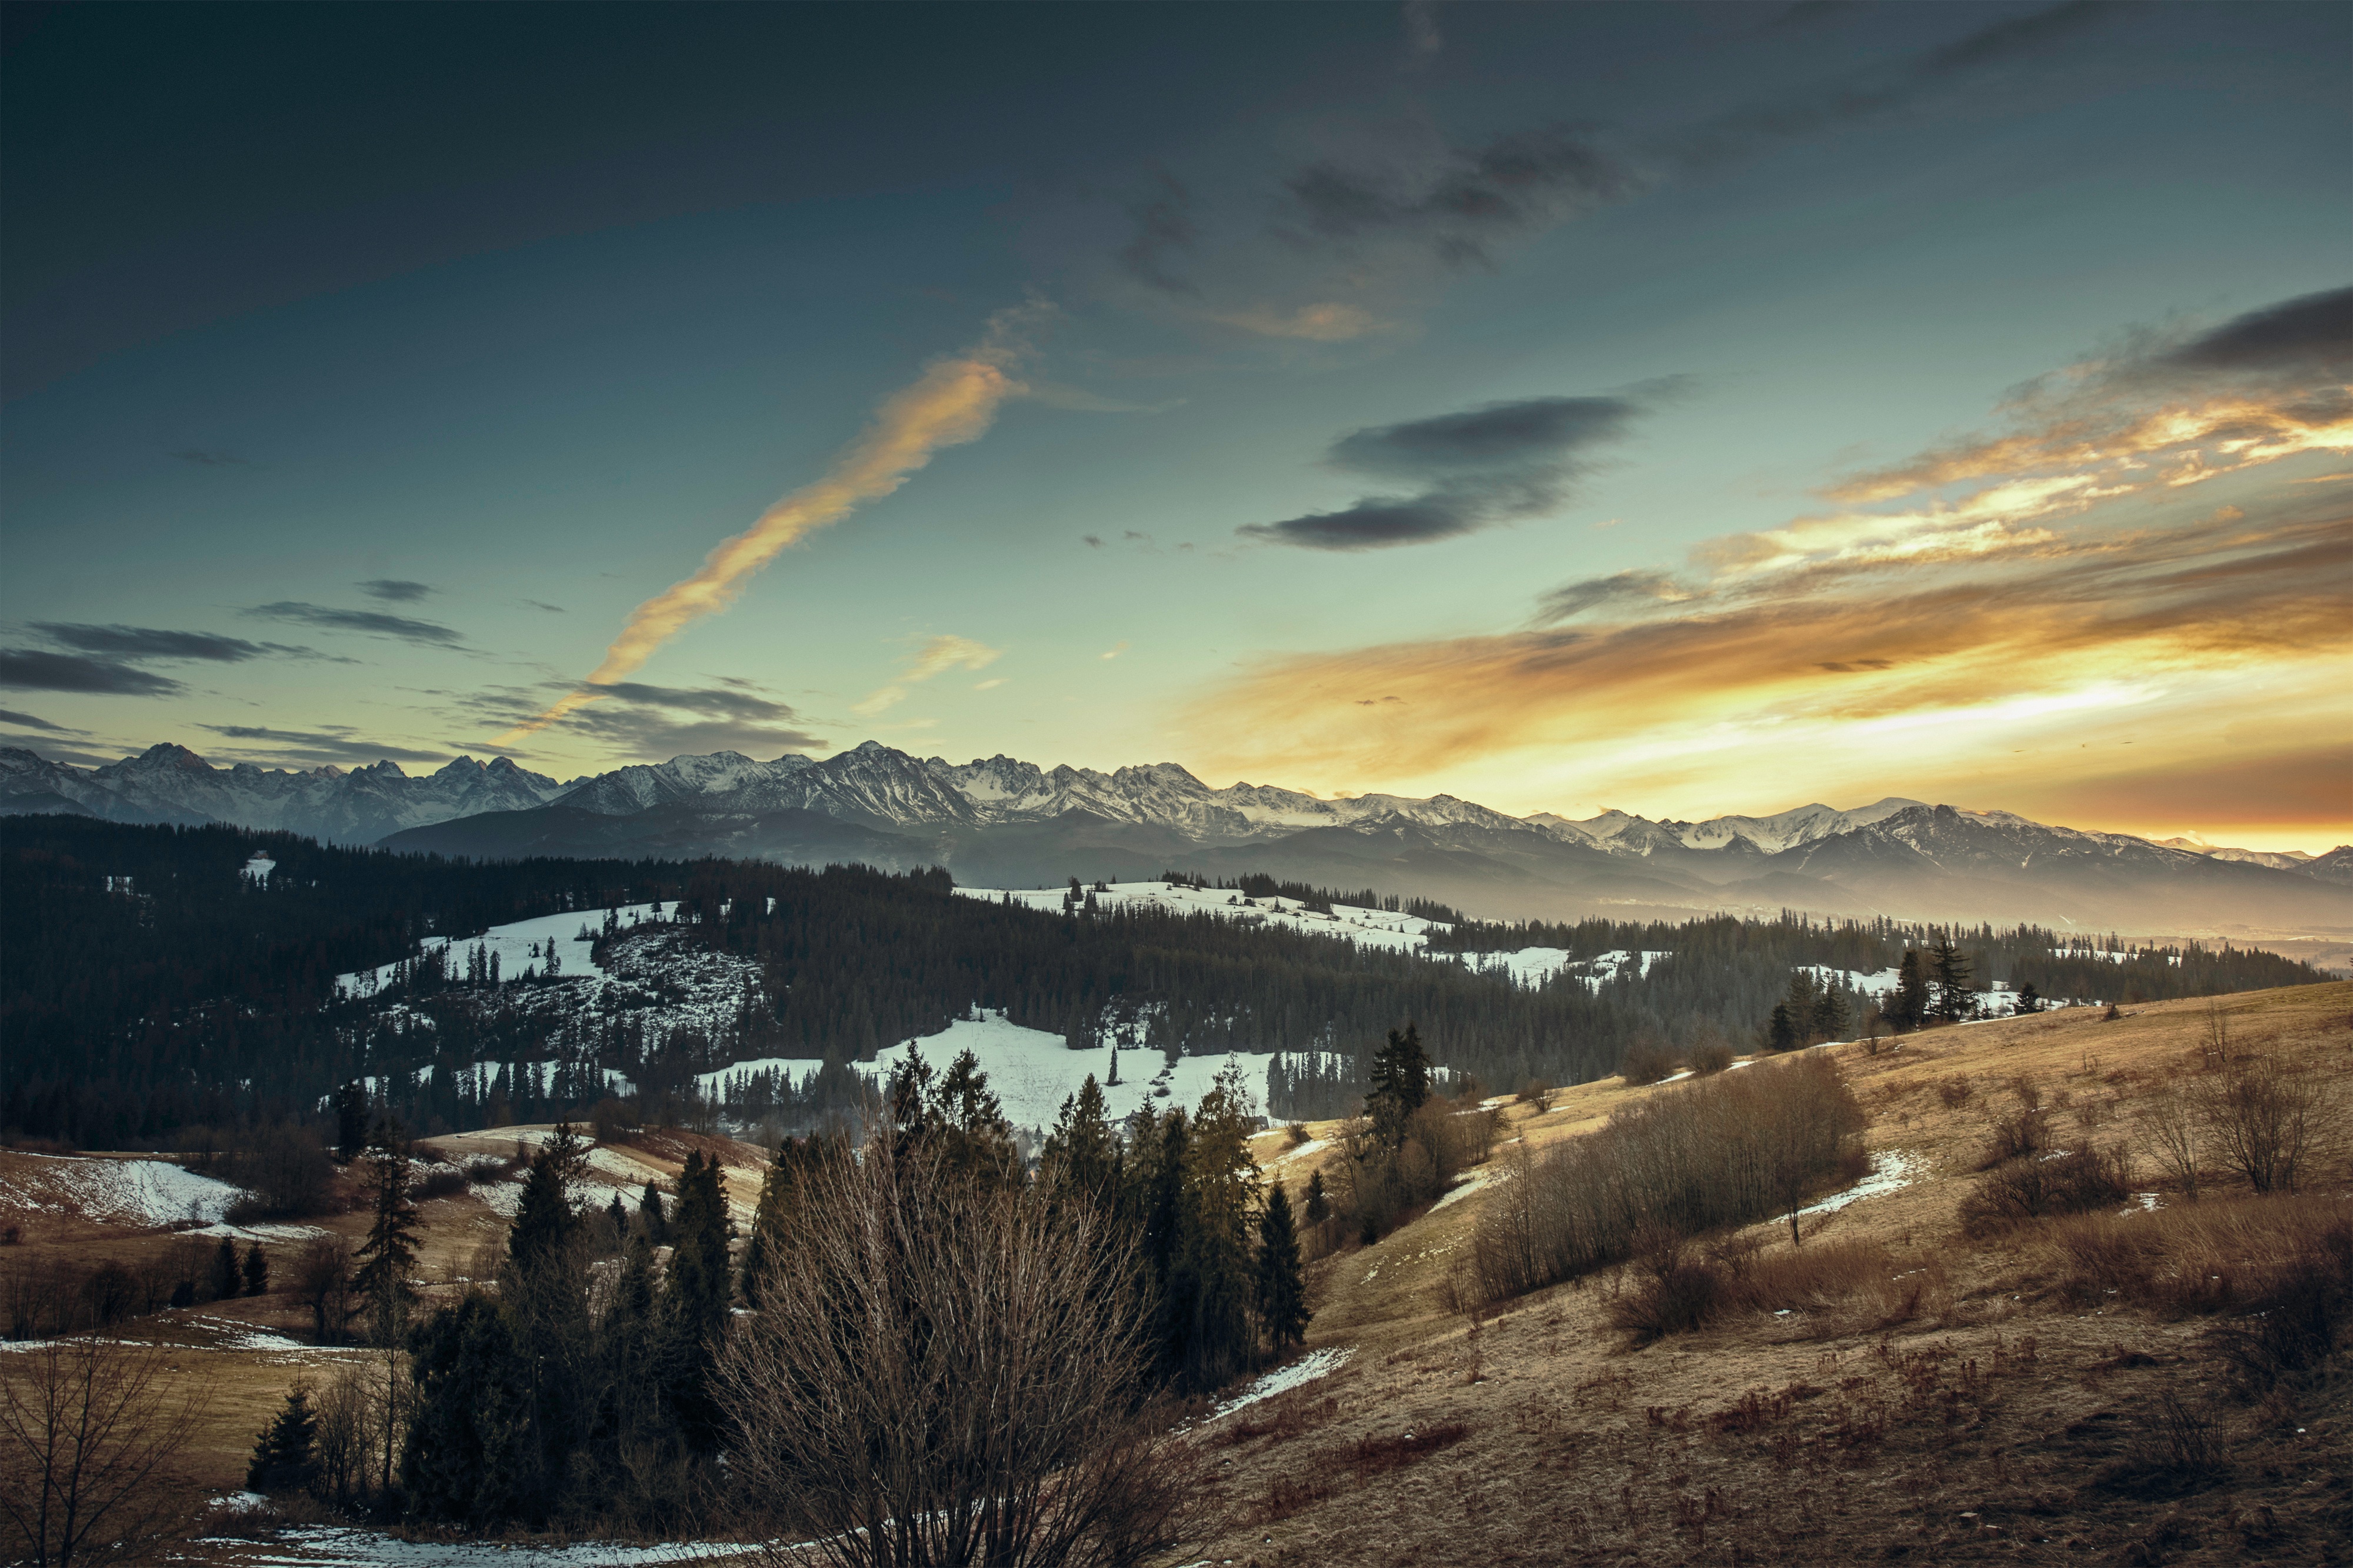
2314	332
334	744
203	459
1463	203
152	642
1618	588
731	702
1163	223
1497	463
370	623
27	721
37	669
1753	127
1493	436
396	590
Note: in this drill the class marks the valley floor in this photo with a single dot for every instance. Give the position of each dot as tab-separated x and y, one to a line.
1963	1408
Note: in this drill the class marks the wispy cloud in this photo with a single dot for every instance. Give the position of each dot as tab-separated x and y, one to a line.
397	590
28	722
937	655
155	643
334	743
367	623
39	669
954	402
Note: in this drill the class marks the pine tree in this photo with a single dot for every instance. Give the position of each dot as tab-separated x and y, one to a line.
1780	1031
2029	999
1804	996
1949	968
543	1289
351	1121
256	1271
1319	1207
1400	1084
1831	1016
227	1277
772	1222
650	1216
284	1457
1222	1196
1908	1008
1281	1281
977	1139
695	1304
388	1257
466	1456
1081	1159
617	1220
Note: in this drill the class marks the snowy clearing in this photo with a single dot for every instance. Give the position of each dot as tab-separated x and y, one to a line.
327	1547
514	944
1031	1071
1373	927
1284	1379
129	1192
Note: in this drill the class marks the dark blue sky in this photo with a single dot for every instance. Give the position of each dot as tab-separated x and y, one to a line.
411	349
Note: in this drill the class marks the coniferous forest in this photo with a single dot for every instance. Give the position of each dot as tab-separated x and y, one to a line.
154	987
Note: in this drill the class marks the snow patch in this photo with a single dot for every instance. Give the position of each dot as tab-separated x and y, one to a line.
132	1192
1284	1379
1889	1170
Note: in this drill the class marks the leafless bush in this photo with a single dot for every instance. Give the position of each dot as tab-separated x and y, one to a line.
90	1430
440	1182
2032	1188
2222	1257
1709	1057
1646	1060
2021	1135
2168	1125
1675	1291
2263	1117
944	1373
1719	1152
1954	1092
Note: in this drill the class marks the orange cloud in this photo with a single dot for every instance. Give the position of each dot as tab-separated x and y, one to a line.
955	401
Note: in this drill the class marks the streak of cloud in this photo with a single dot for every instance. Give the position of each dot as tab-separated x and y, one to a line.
28	722
367	623
396	590
954	402
937	657
39	669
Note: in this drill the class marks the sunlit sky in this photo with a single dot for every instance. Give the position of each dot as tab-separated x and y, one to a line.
1680	409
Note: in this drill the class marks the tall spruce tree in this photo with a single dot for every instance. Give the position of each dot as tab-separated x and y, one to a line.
544	1288
1082	1156
1222	1201
284	1453
1281	1281
1318	1205
227	1278
1949	968
468	1457
696	1302
1400	1084
778	1212
388	1257
650	1217
256	1270
1907	1008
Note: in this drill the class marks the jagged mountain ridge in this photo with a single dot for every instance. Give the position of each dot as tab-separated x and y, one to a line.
999	821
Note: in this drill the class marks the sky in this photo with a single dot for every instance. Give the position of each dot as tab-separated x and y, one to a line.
1684	410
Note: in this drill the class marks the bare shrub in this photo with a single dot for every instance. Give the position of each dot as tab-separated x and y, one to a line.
1708	1057
2057	1184
2023	1133
1675	1292
2263	1117
91	1432
440	1182
1646	1060
2168	1126
944	1372
1811	1278
1954	1092
1719	1152
2230	1256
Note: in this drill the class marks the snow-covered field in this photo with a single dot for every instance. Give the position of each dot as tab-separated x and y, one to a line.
1373	927
127	1191
514	944
330	1547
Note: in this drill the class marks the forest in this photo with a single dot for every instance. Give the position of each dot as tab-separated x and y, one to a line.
155	990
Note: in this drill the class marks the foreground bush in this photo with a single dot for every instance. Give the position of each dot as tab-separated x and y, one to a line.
1723	1151
2037	1187
947	1370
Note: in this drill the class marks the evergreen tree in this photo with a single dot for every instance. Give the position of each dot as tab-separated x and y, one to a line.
650	1217
388	1257
1319	1207
284	1455
977	1140
616	1221
256	1271
1780	1031
1803	997
1215	1259
2029	999
1400	1084
351	1121
227	1277
1281	1281
468	1453
1831	1016
695	1304
1908	1008
543	1292
779	1211
1954	1000
1081	1159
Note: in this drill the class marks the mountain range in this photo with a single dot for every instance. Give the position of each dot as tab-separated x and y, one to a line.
1002	821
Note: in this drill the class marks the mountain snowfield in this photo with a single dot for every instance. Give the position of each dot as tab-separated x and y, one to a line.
1003	824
